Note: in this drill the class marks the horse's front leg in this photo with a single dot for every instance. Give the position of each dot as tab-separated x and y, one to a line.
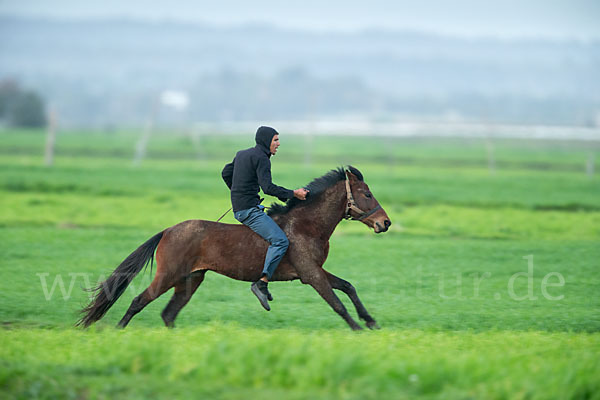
317	278
346	287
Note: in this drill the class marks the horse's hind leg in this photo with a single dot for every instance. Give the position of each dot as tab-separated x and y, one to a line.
184	289
346	287
159	285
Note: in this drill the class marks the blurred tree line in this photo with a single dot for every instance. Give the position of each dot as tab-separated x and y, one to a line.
20	107
113	71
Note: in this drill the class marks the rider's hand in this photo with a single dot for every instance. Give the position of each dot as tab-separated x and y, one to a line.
300	193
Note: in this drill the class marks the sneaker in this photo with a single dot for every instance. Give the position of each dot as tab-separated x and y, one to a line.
264	287
259	289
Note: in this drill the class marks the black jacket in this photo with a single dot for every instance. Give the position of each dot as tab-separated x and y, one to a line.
251	169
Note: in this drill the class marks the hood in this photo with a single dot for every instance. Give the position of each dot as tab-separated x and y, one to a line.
263	138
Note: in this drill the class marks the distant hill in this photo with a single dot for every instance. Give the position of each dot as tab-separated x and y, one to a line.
110	72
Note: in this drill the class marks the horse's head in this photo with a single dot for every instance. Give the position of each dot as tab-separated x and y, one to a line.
363	206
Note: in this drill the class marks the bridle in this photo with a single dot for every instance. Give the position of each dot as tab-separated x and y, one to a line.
351	204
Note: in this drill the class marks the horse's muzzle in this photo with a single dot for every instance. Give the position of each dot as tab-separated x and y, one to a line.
384	228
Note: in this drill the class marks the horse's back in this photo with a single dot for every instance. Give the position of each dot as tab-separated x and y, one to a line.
197	244
233	250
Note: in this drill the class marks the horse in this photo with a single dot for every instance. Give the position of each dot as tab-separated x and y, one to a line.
186	251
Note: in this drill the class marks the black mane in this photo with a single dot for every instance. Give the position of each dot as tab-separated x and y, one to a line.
316	188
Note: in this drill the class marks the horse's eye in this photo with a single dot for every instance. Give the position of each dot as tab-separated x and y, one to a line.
369	195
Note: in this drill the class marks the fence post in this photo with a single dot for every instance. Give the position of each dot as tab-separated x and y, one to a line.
140	147
589	165
489	145
50	139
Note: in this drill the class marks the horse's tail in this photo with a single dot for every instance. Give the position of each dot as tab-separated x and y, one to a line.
112	288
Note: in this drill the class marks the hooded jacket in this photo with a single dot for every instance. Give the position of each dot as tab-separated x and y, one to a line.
250	171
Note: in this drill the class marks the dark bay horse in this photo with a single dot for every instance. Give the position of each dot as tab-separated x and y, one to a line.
184	252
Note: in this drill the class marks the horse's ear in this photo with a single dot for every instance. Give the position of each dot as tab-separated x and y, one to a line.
350	175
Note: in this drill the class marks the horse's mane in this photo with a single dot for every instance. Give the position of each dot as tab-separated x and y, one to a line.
316	188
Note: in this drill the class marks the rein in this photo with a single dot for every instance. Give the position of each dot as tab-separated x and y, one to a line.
221	217
351	204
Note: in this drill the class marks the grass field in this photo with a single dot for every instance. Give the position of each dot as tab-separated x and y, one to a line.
486	285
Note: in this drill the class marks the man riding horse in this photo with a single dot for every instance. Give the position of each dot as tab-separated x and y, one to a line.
250	171
186	251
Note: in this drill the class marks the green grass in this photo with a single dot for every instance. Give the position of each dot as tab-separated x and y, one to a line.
401	289
228	361
439	283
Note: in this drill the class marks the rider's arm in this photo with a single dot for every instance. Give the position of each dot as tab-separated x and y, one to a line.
263	173
227	174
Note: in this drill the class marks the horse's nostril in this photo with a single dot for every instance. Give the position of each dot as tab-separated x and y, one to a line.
387	223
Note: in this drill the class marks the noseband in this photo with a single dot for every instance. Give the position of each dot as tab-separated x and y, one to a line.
351	204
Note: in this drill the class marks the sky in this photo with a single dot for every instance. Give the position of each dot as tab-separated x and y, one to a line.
579	19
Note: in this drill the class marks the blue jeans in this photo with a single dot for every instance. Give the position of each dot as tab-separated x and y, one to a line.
256	219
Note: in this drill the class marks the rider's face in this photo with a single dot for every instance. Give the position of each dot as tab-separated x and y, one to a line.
274	144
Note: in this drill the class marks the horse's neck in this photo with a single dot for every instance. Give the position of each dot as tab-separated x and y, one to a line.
326	213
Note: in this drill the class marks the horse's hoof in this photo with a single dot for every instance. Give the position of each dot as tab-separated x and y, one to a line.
373	325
